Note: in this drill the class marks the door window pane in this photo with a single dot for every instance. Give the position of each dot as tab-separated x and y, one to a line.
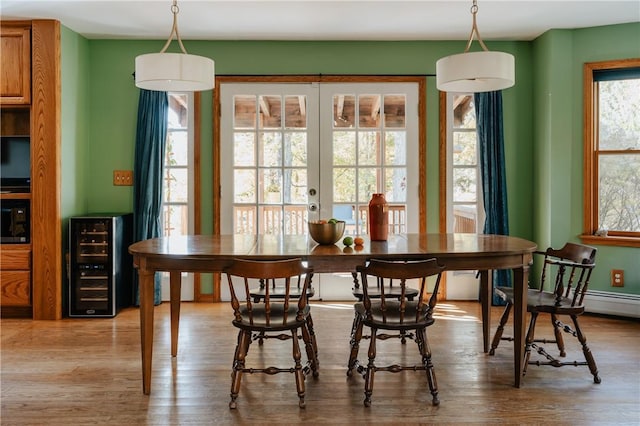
394	111
270	112
244	149
344	110
344	148
244	112
369	110
343	189
244	186
368	148
295	112
295	152
395	144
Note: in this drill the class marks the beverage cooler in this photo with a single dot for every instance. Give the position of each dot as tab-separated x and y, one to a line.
101	268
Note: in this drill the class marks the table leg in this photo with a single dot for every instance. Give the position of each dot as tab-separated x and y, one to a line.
176	284
146	284
520	279
485	300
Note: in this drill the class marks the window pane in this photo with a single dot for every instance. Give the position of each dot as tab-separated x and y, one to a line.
295	152
271	186
395	148
244	149
176	184
619	192
178	149
396	184
295	186
176	219
464	148
464	184
343	188
178	117
619	106
465	218
369	148
344	110
464	115
295	111
369	110
244	116
244	186
270	112
270	149
344	148
394	110
244	220
367	184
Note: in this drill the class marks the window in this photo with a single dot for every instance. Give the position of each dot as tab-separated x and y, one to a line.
465	212
177	185
461	206
612	152
178	181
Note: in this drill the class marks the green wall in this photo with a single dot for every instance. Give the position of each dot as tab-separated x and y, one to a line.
542	117
558	57
113	99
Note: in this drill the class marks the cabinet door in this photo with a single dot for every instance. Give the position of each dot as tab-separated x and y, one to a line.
15	73
16	288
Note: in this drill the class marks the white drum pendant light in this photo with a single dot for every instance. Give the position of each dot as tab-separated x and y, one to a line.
174	71
482	71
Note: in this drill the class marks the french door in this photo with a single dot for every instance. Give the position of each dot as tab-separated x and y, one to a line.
294	152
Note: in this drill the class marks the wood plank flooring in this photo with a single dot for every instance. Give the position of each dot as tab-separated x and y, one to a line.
88	371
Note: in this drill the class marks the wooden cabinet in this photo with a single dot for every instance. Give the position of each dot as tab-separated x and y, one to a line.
15	275
15	56
30	103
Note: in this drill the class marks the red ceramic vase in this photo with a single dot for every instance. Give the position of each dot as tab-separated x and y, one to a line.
378	218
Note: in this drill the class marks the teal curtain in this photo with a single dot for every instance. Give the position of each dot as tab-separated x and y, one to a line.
488	107
151	136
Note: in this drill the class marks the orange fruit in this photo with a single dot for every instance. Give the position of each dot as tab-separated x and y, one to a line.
358	241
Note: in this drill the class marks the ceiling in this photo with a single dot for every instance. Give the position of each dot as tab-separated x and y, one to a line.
322	19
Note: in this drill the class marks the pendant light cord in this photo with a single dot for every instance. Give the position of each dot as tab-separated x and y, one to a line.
474	30
174	30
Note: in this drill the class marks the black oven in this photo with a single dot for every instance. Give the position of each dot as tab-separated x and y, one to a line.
15	222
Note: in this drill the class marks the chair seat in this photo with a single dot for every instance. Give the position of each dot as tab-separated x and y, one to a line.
390	319
277	321
543	301
389	291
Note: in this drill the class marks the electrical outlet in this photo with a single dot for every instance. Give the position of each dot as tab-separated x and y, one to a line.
123	177
617	278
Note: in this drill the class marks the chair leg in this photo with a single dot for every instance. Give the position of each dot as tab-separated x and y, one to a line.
371	369
312	355
312	334
244	338
557	331
591	362
498	336
425	352
356	336
297	355
529	341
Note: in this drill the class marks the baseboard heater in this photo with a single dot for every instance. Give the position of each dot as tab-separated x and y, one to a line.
610	303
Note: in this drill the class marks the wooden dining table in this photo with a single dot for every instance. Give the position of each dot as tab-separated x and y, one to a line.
213	253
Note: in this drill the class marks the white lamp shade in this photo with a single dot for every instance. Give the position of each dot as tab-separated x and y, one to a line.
473	72
174	72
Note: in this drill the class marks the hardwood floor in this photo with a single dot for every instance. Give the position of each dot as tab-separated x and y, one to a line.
88	371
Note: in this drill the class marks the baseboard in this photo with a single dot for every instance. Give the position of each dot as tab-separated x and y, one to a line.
610	303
